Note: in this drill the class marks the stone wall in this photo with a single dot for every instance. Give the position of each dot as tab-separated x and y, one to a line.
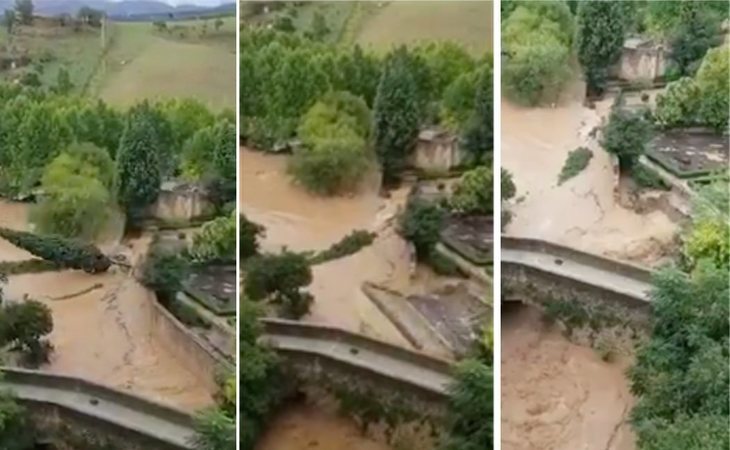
536	287
181	202
200	357
436	151
641	61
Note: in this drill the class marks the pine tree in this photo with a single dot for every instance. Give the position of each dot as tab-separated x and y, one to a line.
138	174
601	26
396	115
67	253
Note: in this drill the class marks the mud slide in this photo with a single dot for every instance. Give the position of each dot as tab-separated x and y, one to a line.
104	334
557	395
299	221
582	212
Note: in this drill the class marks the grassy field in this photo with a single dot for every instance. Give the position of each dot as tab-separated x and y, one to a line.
52	49
406	22
139	61
143	63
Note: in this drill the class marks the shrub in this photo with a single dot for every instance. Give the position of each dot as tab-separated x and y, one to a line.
626	135
249	233
68	253
714	88
470	421
708	239
279	278
507	185
647	178
349	245
679	104
474	192
421	224
578	160
163	272
24	324
216	241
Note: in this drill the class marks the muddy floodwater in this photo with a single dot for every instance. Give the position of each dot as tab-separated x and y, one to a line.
305	426
557	395
582	212
300	221
102	326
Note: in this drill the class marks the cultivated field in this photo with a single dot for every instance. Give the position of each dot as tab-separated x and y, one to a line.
395	23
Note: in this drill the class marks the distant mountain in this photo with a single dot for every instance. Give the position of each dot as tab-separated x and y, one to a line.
125	9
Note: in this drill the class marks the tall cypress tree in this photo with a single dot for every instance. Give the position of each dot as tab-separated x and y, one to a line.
478	135
68	253
396	114
138	173
600	36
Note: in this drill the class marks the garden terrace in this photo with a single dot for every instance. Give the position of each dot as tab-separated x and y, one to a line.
689	153
214	286
470	237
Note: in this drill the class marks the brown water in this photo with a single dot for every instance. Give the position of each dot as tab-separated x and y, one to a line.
583	211
306	426
105	334
300	221
557	395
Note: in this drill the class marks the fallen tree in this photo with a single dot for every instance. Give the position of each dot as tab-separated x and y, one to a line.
67	253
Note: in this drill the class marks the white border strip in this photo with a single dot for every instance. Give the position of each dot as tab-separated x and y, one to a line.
497	245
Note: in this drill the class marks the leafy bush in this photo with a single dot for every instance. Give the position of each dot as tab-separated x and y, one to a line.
470	420
508	188
279	278
626	135
578	160
421	224
67	253
708	239
163	272
23	325
647	178
714	88
249	233
474	192
216	241
349	245
679	104
538	51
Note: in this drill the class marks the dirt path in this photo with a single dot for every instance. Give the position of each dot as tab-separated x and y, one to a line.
557	395
582	212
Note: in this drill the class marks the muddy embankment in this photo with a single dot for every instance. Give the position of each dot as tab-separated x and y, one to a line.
582	212
105	334
557	395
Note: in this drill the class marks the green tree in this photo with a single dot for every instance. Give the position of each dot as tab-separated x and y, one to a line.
478	135
16	427
626	135
396	115
679	104
24	9
216	241
9	19
470	419
601	27
249	233
280	278
714	88
138	174
214	430
421	224
68	253
225	150
474	192
63	82
508	188
24	325
697	32
164	271
320	30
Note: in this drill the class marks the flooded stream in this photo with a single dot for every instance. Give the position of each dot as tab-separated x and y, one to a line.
557	395
300	221
582	212
102	326
304	426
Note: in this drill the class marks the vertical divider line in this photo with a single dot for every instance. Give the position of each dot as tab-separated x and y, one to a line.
237	356
497	220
